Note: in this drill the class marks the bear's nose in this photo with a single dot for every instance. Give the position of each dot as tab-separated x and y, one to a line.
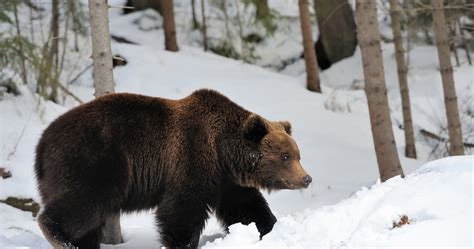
307	180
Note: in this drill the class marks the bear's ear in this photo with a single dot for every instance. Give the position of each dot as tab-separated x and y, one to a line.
287	126
255	128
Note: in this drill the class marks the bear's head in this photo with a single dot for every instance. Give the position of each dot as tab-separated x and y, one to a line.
277	157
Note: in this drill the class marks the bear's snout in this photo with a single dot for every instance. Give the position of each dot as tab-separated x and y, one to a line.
307	180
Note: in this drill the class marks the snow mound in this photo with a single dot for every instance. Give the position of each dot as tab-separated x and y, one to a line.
437	199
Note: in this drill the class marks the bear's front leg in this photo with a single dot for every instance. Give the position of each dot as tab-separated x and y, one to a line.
181	221
240	204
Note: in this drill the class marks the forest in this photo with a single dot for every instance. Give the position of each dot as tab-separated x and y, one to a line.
373	97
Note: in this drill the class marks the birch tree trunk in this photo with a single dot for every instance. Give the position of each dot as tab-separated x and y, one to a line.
169	26
446	69
101	51
369	41
312	68
104	84
410	150
204	26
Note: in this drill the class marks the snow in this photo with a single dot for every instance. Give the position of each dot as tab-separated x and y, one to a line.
345	206
437	198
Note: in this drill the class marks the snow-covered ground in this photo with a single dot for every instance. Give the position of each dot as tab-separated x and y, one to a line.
332	130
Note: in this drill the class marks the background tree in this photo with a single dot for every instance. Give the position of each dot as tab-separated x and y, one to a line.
169	26
337	31
193	12
410	150
368	35
446	69
312	68
203	25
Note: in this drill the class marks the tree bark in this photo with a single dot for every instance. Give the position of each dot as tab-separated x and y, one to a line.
193	12
369	41
410	150
101	51
446	69
312	68
169	26
54	51
23	73
464	42
204	26
337	31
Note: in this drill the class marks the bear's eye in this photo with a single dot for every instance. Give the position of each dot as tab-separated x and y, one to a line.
285	158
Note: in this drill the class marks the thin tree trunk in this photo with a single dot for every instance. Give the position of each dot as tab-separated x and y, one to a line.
54	51
410	150
193	12
101	51
104	84
204	26
369	41
452	44
262	9
312	68
243	43
446	69
23	73
169	26
464	42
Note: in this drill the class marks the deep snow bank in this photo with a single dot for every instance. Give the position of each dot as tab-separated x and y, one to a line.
437	198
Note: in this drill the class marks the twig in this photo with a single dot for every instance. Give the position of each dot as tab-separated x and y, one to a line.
79	74
70	93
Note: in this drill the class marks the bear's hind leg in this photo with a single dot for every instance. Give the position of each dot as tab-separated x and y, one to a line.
66	222
90	240
241	204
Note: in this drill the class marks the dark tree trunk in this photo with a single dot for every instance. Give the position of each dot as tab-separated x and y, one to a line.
312	69
193	12
369	41
169	27
337	31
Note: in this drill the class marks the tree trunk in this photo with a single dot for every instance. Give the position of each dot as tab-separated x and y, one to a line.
446	69
23	73
410	150
54	51
193	12
464	42
369	41
337	32
312	68
101	51
262	9
204	27
169	26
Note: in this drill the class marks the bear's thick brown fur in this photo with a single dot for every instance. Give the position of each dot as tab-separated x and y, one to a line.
186	158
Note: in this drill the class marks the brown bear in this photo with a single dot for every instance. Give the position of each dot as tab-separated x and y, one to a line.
186	158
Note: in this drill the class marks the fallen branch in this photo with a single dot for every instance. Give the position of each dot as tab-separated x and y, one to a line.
431	135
